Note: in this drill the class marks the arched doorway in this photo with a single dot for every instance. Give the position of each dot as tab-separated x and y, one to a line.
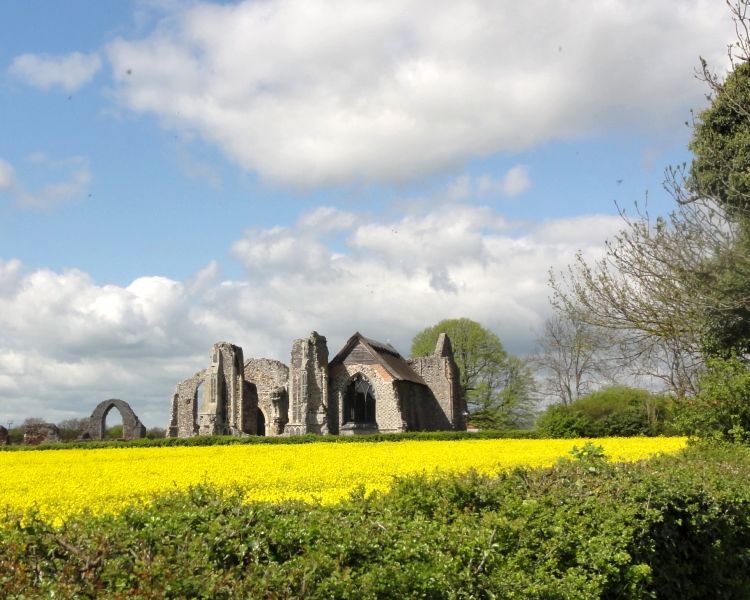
359	402
261	423
131	425
113	424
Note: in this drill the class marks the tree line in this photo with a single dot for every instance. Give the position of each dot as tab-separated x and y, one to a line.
668	305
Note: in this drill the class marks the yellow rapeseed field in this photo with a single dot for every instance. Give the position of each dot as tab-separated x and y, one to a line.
60	483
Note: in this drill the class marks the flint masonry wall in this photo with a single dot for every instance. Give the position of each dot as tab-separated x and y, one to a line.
132	428
41	433
227	407
388	415
308	396
308	386
183	420
440	373
270	378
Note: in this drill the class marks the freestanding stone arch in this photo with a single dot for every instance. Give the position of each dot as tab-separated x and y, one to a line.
131	425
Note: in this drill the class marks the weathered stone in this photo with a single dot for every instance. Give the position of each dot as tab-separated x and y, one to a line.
183	420
41	433
440	373
368	387
270	378
132	428
4	439
308	386
227	406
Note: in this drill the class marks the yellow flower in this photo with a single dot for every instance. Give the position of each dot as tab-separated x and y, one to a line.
60	483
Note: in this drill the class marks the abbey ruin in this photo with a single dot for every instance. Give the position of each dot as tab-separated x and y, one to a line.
368	387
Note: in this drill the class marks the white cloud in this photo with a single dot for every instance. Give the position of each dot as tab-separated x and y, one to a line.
77	178
7	175
314	92
66	342
69	72
514	183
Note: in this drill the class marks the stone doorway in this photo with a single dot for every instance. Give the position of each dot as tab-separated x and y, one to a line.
261	422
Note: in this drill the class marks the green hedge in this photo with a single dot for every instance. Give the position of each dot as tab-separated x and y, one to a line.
223	440
613	411
673	527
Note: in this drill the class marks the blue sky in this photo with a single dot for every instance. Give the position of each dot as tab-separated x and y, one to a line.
175	173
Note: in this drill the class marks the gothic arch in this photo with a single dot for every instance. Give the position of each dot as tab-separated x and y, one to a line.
359	401
131	425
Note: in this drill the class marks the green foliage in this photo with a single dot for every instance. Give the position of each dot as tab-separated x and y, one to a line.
675	527
475	349
721	143
71	429
114	432
613	411
722	409
155	433
498	388
589	452
227	440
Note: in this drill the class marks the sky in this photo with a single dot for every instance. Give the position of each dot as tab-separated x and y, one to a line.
176	173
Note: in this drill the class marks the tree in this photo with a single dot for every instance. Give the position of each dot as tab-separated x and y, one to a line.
114	432
571	355
676	291
498	388
71	429
652	291
721	138
156	433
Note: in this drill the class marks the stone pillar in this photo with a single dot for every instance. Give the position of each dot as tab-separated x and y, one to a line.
308	386
277	402
225	408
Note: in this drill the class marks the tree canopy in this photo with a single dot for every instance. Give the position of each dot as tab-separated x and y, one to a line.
475	348
497	387
675	291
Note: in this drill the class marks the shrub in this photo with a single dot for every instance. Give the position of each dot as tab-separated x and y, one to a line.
674	527
722	408
613	411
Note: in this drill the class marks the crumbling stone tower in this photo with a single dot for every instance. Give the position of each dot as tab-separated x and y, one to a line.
227	399
308	386
440	373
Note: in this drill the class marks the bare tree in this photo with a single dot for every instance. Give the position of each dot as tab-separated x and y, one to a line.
571	355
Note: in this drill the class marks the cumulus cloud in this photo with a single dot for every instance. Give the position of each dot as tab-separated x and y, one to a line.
67	342
69	72
514	183
314	92
74	185
7	175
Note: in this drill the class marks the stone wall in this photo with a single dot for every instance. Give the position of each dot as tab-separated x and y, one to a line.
132	428
440	373
308	386
183	421
41	433
270	378
388	415
231	397
227	408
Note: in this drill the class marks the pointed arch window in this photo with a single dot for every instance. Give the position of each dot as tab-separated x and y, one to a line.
359	401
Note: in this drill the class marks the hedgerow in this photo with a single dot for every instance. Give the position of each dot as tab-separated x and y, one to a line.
225	440
672	527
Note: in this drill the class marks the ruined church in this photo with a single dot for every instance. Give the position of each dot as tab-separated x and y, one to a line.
368	387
